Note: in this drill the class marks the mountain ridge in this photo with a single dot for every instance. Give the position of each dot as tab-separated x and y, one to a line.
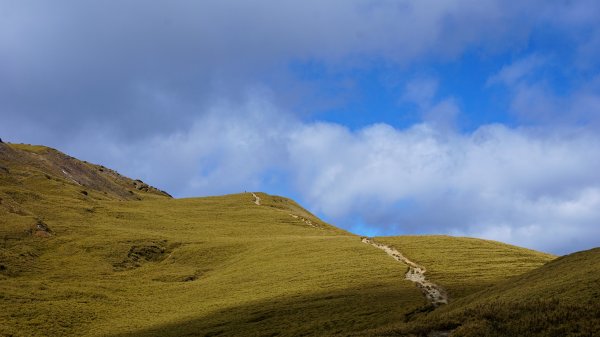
55	164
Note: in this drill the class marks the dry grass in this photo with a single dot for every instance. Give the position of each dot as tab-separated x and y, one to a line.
562	298
159	266
155	266
208	261
465	265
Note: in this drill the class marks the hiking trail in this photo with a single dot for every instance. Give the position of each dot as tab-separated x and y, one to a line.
306	221
416	273
256	198
297	217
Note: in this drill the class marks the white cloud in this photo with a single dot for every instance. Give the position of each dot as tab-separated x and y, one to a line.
500	183
165	97
534	187
226	149
513	73
66	64
422	92
559	223
537	98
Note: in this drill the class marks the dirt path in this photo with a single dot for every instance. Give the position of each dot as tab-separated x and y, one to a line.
434	293
306	221
256	198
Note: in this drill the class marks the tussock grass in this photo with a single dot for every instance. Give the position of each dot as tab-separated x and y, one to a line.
464	265
126	260
561	298
151	265
210	261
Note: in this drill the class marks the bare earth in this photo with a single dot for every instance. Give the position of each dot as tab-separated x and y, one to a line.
434	293
256	198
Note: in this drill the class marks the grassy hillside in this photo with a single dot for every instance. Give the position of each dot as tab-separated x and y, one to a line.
125	260
98	264
562	298
465	265
35	161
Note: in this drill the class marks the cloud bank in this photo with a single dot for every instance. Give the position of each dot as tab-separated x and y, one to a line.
527	186
210	97
71	64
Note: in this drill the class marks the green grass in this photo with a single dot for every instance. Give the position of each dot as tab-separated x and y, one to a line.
465	265
121	263
562	298
224	259
153	265
29	148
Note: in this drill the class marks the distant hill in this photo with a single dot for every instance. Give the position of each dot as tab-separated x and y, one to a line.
85	251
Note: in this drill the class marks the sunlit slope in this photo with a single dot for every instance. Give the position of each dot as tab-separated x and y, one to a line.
561	298
38	185
160	266
90	252
464	265
22	165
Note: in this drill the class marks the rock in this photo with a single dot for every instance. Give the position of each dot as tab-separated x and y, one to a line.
41	230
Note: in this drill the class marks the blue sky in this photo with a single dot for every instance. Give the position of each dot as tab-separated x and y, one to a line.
459	117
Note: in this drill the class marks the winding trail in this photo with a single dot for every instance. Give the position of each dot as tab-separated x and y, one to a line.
433	293
256	198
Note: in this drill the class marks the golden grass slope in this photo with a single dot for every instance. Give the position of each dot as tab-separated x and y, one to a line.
27	160
464	265
114	263
151	265
561	298
210	265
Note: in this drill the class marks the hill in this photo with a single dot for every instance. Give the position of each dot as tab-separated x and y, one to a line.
119	260
561	298
465	265
34	161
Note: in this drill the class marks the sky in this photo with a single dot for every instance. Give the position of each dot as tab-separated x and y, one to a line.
385	117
